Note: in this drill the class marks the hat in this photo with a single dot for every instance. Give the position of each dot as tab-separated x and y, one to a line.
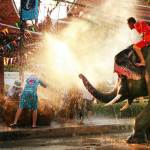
17	83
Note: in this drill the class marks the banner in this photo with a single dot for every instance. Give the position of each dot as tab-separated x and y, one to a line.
29	9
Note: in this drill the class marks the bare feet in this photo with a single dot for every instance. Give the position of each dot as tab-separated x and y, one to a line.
13	125
33	127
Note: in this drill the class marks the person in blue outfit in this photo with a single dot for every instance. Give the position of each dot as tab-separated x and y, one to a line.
29	99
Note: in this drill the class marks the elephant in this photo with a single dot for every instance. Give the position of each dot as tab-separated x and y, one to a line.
128	88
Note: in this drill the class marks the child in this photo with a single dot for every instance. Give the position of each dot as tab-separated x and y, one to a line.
14	91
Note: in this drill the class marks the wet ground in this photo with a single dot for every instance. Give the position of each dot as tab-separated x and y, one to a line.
99	142
93	121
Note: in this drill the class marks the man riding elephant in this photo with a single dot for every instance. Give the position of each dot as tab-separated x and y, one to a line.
144	30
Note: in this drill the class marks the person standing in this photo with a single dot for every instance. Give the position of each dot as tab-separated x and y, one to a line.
14	92
29	99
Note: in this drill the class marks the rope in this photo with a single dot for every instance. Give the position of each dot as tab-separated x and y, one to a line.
82	5
58	13
71	6
13	27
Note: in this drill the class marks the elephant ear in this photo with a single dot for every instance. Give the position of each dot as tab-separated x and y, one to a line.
124	64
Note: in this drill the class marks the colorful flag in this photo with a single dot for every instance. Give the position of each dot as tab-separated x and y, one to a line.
29	9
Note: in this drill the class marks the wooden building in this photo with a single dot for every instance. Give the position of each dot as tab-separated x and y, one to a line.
8	12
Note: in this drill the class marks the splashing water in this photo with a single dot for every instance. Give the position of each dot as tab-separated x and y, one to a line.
87	45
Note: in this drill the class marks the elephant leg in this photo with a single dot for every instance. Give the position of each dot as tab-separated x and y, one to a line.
148	133
147	77
142	121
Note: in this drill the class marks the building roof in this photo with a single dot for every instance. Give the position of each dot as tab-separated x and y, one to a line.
8	12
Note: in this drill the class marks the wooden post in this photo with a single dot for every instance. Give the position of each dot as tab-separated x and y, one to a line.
21	73
22	29
1	75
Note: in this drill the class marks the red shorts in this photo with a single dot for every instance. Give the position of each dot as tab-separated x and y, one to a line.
144	42
141	44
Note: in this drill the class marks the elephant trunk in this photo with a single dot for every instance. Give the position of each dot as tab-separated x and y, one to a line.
103	97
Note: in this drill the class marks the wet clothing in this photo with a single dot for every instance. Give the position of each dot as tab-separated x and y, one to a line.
29	98
144	30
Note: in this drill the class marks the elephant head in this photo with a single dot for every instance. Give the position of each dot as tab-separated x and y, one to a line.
125	89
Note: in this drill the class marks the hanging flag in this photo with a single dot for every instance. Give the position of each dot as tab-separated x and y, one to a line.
8	46
9	61
13	61
4	31
14	42
29	9
17	25
6	61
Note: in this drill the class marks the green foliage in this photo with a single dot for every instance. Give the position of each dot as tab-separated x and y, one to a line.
11	68
15	68
146	1
114	111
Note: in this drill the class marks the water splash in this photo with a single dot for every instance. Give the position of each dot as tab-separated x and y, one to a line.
87	45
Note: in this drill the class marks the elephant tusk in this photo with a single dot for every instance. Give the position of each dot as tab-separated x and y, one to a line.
126	106
114	100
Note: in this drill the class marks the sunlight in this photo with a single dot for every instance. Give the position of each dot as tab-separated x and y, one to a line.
62	58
